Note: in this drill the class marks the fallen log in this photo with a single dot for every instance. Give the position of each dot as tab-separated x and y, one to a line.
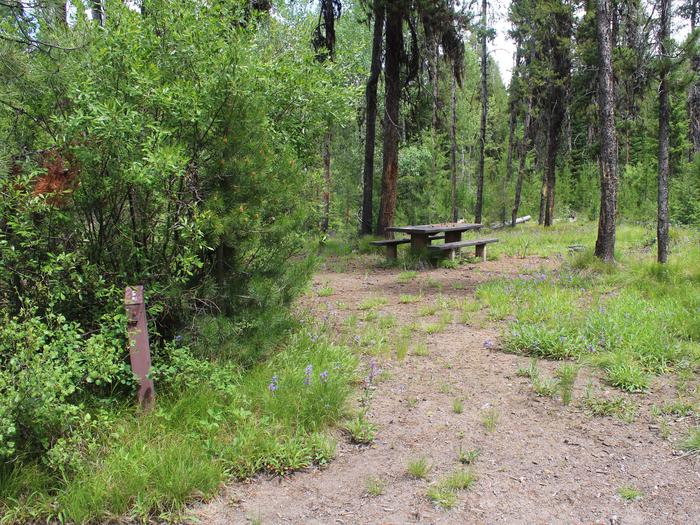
519	220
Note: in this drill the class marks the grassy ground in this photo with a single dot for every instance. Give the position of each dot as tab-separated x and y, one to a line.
635	319
223	424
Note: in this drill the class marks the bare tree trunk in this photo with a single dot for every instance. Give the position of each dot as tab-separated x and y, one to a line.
522	162
694	93
605	244
392	93
96	11
664	132
453	146
371	124
435	67
555	107
511	133
326	179
484	113
543	199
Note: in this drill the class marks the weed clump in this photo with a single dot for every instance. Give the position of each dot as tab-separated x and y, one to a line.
418	468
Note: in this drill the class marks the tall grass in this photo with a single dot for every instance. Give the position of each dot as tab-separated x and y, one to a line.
634	319
229	425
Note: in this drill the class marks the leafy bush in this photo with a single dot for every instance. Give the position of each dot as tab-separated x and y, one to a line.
49	371
217	422
160	150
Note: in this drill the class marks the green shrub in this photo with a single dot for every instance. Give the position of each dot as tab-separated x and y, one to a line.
216	423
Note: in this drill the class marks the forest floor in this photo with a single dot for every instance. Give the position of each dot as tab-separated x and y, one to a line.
457	396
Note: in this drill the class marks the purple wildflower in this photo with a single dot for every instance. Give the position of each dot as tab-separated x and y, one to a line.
489	344
324	376
307	374
273	386
373	371
178	340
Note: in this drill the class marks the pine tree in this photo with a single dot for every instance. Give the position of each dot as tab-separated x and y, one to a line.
605	244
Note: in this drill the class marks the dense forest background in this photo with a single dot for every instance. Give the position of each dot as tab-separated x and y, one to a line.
203	149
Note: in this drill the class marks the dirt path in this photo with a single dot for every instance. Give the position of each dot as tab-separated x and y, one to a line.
543	463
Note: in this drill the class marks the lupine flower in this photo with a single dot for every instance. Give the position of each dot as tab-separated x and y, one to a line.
273	385
373	371
324	376
307	374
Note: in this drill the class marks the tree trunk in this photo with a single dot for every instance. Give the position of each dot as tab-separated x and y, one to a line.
514	95
484	113
371	124
694	93
543	198
522	162
664	132
434	59
326	179
556	118
392	93
96	11
558	42
453	146
605	244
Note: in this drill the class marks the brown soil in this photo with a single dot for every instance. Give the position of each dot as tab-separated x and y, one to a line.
543	463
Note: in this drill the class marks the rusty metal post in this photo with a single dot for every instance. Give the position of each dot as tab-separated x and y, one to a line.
139	349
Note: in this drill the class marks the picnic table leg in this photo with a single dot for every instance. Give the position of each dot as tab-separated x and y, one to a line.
480	252
419	242
453	237
391	252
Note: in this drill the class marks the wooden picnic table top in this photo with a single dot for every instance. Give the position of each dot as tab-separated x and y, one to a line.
428	229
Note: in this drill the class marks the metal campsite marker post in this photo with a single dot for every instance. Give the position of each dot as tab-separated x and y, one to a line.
139	349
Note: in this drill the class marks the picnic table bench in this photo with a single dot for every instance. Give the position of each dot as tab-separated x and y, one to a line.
450	248
391	244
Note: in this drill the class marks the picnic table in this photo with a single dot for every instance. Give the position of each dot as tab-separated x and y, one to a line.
421	236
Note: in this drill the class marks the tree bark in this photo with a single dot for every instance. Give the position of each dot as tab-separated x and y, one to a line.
326	179
605	244
522	161
558	42
453	146
96	11
478	212
371	124
664	132
543	198
694	92
392	93
514	96
434	59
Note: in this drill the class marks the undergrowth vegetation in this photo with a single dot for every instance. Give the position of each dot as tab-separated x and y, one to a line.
633	320
221	423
